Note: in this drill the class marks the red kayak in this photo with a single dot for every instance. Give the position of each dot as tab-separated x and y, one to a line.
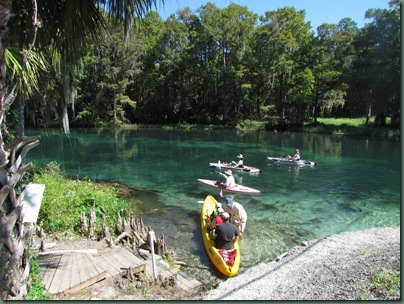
236	189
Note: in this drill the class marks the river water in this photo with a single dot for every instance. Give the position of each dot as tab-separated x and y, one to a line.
355	184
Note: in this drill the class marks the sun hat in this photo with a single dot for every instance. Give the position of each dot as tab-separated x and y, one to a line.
225	215
228	172
218	205
229	201
220	210
240	156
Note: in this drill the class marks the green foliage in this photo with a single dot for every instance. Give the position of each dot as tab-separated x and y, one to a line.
26	69
64	200
38	290
353	122
220	66
384	285
387	281
352	126
252	125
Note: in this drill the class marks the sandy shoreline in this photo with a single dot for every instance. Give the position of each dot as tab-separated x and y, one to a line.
338	267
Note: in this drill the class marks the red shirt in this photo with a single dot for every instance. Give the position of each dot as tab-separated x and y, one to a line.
219	220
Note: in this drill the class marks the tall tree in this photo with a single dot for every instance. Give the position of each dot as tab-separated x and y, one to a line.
75	21
228	31
378	62
287	36
331	57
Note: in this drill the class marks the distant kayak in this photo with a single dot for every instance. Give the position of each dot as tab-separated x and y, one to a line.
235	189
231	167
284	161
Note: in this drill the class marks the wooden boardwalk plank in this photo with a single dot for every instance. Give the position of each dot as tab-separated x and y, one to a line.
111	267
81	272
92	269
43	264
64	273
75	276
91	258
121	260
59	277
87	283
86	269
186	281
70	272
51	264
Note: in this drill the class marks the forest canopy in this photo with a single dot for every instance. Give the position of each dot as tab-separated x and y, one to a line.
219	66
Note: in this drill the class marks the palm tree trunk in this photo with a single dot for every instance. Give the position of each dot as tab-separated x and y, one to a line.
20	119
64	118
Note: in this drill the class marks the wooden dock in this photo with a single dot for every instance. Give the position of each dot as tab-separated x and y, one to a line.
71	271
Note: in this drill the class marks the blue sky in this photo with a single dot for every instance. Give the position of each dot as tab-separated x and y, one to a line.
317	11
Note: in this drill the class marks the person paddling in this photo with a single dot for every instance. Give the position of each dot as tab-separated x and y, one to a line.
295	157
230	182
240	163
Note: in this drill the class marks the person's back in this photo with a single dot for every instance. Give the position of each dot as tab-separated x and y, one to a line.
225	233
237	214
219	220
216	216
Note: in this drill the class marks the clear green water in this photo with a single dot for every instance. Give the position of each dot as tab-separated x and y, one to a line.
355	185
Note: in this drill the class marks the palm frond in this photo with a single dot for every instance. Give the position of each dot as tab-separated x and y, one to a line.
26	73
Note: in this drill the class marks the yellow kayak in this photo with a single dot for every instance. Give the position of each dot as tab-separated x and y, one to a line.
208	207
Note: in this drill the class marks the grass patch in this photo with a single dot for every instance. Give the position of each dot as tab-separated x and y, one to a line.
387	281
252	125
64	200
384	285
353	127
351	122
37	290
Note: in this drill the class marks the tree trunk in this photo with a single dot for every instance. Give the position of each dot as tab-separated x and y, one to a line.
225	87
369	108
20	119
5	13
67	89
64	119
315	106
15	258
14	270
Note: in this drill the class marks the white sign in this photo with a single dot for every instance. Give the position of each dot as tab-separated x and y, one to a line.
32	202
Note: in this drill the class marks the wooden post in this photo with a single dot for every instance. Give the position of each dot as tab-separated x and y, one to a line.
83	223
151	235
93	220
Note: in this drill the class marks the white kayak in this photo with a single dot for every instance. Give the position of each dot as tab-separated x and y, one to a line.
285	161
226	166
